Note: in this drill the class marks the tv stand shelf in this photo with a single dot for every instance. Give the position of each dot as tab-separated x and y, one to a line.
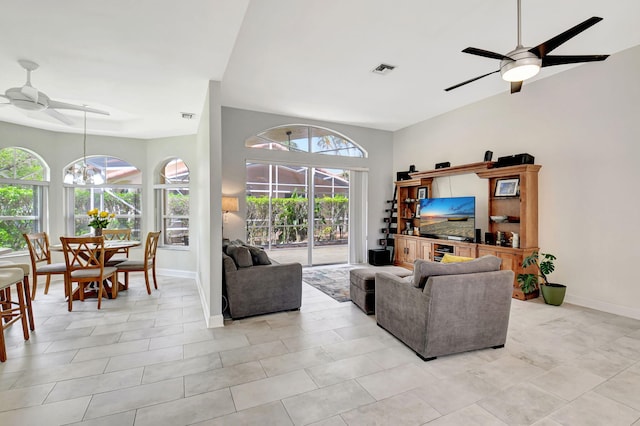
521	210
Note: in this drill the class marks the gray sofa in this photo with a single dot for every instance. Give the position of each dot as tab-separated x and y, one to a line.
260	288
447	308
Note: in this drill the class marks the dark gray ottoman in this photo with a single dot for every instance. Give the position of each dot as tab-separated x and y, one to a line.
362	287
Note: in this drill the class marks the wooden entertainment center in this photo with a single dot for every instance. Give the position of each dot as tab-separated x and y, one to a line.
521	211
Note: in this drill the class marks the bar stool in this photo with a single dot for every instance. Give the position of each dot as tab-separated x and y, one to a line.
9	277
27	293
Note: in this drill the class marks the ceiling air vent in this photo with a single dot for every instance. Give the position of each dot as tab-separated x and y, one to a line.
187	115
383	69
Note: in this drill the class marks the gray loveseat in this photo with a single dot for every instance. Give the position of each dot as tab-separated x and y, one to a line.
253	288
447	308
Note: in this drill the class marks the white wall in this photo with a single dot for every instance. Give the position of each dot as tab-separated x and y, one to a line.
238	125
583	127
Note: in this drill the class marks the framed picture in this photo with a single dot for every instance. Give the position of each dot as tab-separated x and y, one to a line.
507	187
423	193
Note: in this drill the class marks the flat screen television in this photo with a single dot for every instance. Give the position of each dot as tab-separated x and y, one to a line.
448	218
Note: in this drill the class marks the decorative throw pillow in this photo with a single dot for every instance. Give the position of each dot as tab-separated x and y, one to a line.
240	255
423	269
450	258
259	256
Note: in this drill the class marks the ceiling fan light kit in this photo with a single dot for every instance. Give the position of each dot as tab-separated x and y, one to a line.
523	63
522	66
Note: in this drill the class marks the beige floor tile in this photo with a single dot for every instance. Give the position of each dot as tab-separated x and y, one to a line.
74	388
326	402
24	397
403	409
223	377
124	362
343	370
394	381
624	388
252	353
57	413
507	371
216	345
179	368
521	404
186	411
135	397
286	363
61	372
567	382
472	415
115	349
120	419
272	414
271	389
311	340
350	348
592	409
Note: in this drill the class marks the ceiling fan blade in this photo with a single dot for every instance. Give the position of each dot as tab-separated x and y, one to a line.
58	116
551	60
543	49
64	105
30	92
516	86
470	81
485	53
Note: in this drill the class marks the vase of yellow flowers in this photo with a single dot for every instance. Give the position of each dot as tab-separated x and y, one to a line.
99	220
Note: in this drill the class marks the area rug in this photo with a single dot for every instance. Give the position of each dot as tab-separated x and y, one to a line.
331	280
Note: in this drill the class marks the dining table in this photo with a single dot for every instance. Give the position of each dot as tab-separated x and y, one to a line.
111	247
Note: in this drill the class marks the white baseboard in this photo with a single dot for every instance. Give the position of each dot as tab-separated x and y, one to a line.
212	321
178	273
604	306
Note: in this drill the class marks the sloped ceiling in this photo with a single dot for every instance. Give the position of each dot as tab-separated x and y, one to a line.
148	61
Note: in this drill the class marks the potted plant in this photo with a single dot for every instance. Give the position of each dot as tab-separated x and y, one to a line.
552	293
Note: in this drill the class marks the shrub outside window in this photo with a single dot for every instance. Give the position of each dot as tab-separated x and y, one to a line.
118	190
23	189
172	203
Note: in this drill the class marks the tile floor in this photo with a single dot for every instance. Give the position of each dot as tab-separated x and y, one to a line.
150	360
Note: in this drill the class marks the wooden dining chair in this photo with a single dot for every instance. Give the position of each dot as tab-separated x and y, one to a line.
117	235
38	244
149	262
25	285
84	257
8	314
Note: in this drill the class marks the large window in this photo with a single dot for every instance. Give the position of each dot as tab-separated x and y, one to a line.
172	203
301	138
23	188
113	185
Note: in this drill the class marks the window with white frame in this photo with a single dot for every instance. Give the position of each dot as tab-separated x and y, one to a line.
172	203
108	184
24	181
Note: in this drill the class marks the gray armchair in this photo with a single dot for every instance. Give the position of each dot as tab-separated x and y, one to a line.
447	308
261	289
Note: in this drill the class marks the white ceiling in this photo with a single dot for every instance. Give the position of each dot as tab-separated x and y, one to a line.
149	60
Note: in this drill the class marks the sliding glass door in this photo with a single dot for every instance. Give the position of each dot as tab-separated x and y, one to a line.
282	200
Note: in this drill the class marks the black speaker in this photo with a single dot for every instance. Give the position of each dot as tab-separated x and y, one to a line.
443	165
488	155
489	238
379	257
478	236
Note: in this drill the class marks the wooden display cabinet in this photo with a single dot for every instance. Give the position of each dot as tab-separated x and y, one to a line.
520	209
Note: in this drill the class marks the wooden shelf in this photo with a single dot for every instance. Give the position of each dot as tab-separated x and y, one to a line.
455	170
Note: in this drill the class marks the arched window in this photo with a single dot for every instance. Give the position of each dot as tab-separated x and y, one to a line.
303	138
172	202
108	184
24	181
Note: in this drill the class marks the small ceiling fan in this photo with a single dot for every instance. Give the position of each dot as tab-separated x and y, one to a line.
525	62
29	98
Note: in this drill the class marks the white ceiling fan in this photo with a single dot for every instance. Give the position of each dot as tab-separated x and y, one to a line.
29	98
